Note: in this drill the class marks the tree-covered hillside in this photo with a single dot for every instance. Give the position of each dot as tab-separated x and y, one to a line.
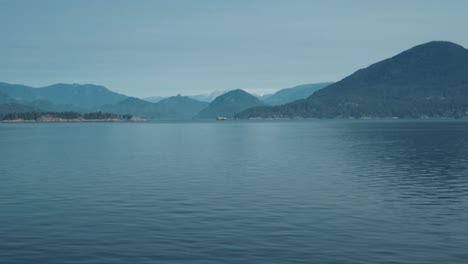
429	80
229	104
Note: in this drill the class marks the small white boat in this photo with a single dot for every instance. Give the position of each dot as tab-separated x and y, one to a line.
221	118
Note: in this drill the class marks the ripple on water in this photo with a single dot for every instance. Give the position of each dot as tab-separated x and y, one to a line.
234	192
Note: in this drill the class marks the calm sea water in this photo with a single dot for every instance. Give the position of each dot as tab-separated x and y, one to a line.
234	192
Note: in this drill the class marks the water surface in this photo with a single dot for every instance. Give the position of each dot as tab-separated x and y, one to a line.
234	192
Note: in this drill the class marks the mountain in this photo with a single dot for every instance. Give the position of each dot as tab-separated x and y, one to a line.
180	107
263	97
17	91
175	107
230	104
36	105
16	108
10	105
154	99
429	80
208	97
5	99
47	106
288	95
133	106
85	96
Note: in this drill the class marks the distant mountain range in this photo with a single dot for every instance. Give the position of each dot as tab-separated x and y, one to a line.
429	80
181	107
154	99
207	97
175	107
288	95
90	98
134	106
282	96
229	104
85	96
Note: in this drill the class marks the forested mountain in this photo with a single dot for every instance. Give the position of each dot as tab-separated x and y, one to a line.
175	107
180	107
229	104
134	106
15	108
429	80
206	97
5	99
288	95
10	105
84	96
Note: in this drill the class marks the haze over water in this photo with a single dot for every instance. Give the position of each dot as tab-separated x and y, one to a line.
234	192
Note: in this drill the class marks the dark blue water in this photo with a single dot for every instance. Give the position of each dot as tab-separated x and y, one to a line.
234	192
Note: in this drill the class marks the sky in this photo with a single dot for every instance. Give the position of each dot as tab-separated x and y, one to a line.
161	48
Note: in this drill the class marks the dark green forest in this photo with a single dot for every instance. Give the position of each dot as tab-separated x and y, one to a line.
34	116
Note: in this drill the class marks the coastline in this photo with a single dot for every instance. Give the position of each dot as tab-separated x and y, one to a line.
75	120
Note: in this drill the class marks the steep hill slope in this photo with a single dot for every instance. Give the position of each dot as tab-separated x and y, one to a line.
429	80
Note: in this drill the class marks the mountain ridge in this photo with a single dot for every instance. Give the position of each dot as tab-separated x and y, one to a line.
174	108
291	94
87	96
229	104
428	80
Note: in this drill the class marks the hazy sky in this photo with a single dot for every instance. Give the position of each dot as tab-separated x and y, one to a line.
145	48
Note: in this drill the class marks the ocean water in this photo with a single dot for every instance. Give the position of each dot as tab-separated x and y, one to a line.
234	192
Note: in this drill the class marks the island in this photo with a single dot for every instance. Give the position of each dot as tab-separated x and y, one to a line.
67	117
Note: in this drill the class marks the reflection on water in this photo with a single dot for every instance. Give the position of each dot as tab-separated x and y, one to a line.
235	192
427	160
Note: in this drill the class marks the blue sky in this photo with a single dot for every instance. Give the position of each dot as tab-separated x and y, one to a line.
145	48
